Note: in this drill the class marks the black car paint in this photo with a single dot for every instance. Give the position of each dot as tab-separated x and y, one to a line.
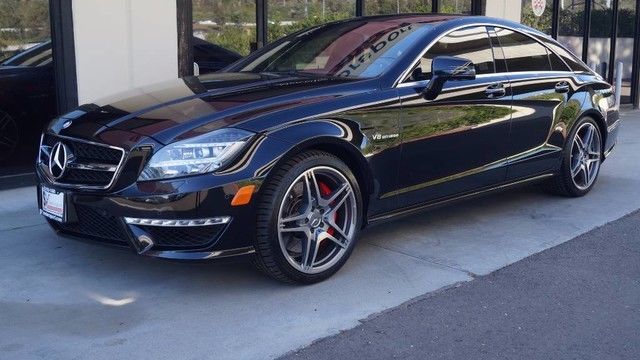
369	123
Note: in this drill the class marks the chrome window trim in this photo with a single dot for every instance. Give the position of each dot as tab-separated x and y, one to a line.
405	73
116	171
540	75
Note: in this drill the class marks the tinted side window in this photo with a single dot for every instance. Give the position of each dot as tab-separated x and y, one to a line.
569	58
522	52
556	63
471	43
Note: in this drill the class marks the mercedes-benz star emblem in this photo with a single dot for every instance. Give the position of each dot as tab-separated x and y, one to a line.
58	160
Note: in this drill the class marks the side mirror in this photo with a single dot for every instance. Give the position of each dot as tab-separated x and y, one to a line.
445	68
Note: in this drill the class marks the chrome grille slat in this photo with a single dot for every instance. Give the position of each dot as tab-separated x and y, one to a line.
92	165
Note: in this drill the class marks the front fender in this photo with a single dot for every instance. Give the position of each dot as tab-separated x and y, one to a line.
342	138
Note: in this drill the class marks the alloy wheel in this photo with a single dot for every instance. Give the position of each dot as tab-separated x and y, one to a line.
317	219
586	156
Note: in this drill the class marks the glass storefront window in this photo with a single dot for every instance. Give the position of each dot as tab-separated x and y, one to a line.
624	45
570	29
455	6
23	24
600	36
537	14
288	16
379	7
26	73
230	24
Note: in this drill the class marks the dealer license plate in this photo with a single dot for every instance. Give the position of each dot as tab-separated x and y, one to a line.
52	204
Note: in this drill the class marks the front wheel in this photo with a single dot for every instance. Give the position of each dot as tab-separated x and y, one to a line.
581	160
308	218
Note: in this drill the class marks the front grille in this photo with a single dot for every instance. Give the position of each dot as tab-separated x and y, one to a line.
80	176
95	223
183	237
90	164
90	152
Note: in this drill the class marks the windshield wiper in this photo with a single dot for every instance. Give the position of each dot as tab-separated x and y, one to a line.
295	73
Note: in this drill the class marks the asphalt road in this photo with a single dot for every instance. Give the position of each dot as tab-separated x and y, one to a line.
579	300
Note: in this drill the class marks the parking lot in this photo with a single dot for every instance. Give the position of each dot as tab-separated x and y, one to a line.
64	299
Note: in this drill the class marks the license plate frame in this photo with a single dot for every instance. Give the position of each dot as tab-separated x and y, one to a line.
53	204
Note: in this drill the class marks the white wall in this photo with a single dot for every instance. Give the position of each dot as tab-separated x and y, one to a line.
505	9
123	44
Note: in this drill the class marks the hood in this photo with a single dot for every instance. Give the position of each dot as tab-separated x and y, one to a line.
186	107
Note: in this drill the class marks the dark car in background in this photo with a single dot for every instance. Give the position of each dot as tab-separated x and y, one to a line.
211	57
286	155
27	101
27	94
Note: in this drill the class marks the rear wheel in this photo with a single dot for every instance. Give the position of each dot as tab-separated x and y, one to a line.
581	160
308	219
9	136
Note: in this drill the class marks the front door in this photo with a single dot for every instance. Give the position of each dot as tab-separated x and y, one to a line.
457	142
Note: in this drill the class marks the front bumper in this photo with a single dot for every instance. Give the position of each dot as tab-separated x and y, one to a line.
187	219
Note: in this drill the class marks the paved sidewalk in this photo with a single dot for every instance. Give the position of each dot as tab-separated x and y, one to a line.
579	300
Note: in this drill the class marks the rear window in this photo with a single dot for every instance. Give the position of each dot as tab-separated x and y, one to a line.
556	63
522	53
568	57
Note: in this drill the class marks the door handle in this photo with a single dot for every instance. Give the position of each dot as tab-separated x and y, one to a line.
562	87
495	91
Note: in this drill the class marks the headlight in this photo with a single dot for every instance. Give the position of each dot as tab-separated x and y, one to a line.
198	155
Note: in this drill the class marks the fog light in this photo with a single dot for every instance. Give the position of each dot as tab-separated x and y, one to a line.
174	222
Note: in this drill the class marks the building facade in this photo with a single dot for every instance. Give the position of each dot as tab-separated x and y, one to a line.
149	39
103	47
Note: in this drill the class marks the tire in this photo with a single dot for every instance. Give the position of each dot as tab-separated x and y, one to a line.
303	237
581	160
9	136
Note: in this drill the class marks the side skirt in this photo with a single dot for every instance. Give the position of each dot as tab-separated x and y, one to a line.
447	201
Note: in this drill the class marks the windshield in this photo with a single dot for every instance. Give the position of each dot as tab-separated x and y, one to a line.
354	49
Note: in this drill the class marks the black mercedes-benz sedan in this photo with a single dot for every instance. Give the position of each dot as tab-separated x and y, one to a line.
286	155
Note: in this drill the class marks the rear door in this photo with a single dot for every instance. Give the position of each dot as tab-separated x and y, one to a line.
459	141
541	84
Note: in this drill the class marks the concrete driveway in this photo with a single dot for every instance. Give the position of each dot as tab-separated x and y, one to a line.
63	299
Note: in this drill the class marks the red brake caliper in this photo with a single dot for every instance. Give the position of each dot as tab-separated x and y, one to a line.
325	190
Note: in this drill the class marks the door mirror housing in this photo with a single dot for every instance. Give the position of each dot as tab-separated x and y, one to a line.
445	68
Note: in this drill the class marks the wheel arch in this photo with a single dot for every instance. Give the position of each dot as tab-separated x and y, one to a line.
602	125
337	138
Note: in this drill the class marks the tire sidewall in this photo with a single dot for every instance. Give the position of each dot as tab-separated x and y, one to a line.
317	159
566	160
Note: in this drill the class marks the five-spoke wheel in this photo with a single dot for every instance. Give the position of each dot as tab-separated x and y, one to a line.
580	161
308	218
585	155
317	219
